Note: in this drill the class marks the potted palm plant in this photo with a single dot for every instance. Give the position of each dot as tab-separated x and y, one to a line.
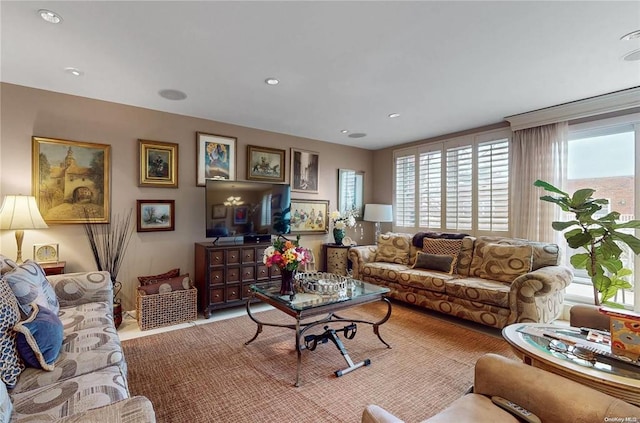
597	238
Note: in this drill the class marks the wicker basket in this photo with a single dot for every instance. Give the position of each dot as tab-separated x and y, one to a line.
169	308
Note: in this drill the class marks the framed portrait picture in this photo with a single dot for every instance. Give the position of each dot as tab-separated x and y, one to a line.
216	158
304	171
265	164
309	216
240	215
218	211
156	215
71	180
158	164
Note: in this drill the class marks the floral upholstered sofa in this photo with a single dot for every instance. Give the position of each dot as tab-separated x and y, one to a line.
61	356
494	281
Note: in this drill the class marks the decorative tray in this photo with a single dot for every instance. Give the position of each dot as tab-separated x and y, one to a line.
322	283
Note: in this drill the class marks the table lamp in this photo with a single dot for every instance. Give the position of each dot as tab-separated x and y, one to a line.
20	212
378	213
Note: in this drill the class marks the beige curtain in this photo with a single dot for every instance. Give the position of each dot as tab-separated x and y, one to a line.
537	153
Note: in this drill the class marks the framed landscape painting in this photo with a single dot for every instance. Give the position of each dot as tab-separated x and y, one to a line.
216	158
265	164
71	180
304	171
309	216
156	215
158	164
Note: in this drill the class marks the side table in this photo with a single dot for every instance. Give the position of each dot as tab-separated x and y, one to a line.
55	268
335	259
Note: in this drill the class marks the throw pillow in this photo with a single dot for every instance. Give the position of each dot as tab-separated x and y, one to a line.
40	338
6	264
504	263
445	247
6	406
434	262
393	248
167	285
146	280
29	283
10	364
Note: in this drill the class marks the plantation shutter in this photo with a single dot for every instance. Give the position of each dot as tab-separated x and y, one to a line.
430	188
493	185
405	196
459	188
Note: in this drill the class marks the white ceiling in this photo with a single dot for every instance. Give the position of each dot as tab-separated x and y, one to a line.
444	66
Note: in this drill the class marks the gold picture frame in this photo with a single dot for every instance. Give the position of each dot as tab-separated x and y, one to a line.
309	216
265	164
71	180
158	164
216	157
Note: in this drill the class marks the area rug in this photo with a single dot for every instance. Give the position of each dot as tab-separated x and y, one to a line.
206	374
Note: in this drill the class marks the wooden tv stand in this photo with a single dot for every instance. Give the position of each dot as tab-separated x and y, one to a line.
224	273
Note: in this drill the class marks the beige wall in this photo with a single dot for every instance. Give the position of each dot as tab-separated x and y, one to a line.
26	112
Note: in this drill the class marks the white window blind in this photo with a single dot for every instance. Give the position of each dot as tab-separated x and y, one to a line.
405	195
430	189
493	185
459	188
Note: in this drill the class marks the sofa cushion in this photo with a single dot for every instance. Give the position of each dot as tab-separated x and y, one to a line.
501	262
480	290
162	286
6	406
29	283
146	280
10	363
394	248
448	247
39	338
442	263
85	316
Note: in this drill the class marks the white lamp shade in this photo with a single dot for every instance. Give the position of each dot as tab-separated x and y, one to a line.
378	213
21	212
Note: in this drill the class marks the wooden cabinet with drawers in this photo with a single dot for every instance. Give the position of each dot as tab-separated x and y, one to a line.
224	273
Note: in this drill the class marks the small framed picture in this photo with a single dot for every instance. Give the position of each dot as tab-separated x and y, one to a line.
158	164
309	216
304	171
240	215
216	158
218	211
156	215
265	164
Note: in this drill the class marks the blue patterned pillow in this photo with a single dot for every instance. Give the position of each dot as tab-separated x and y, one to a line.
40	338
11	365
6	264
29	283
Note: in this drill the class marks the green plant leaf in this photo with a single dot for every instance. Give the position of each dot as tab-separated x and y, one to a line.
548	187
611	264
561	226
559	201
579	240
629	224
611	304
581	196
601	282
580	261
624	272
628	239
611	217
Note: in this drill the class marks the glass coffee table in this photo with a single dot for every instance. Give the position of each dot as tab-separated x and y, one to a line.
306	305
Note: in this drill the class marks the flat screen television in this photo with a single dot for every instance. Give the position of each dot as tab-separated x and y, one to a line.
241	208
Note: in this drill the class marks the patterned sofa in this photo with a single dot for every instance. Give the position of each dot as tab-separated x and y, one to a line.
495	281
88	380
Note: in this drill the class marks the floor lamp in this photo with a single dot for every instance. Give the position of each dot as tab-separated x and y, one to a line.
378	213
20	212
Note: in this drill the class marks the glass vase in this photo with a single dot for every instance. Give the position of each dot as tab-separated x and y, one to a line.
338	235
286	285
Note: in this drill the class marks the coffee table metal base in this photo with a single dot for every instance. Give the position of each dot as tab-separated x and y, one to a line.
330	318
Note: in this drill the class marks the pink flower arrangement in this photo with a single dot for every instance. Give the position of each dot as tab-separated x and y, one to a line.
287	255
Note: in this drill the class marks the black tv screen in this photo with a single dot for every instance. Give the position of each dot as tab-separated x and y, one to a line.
240	208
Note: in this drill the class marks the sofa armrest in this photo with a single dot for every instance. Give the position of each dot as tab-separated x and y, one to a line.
73	289
533	289
131	410
551	397
375	414
361	255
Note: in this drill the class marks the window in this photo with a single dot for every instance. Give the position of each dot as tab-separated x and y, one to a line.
461	184
601	155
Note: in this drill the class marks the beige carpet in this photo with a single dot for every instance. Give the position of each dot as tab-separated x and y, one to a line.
207	374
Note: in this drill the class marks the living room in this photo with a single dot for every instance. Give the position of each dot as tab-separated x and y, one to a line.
82	110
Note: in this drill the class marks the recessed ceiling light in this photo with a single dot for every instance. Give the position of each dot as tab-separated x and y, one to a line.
344	131
74	71
631	35
357	135
632	56
172	94
394	115
271	81
49	16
